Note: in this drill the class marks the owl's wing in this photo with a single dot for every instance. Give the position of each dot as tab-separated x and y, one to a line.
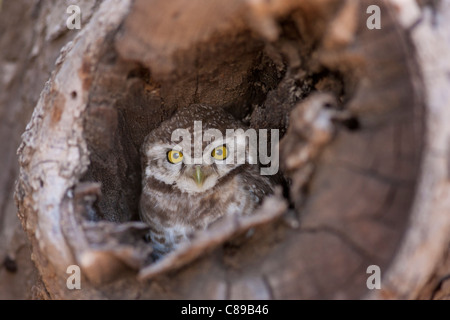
259	185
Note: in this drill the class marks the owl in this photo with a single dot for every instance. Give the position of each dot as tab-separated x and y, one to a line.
180	195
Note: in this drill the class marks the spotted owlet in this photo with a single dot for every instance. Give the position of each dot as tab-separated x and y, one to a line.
180	195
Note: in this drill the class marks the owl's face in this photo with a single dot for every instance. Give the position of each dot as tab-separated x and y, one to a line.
178	165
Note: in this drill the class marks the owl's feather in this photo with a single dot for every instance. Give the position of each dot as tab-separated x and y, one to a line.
172	203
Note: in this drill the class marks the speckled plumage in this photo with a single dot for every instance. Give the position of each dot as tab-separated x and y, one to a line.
172	204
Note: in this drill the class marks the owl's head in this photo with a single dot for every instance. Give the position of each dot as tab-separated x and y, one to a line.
193	151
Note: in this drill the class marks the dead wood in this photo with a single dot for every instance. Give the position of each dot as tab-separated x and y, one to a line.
375	192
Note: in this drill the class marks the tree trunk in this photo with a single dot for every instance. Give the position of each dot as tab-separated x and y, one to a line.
375	193
33	33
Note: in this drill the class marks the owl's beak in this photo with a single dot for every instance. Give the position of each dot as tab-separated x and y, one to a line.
199	176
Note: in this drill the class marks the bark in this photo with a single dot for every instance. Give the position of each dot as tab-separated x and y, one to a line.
33	33
375	194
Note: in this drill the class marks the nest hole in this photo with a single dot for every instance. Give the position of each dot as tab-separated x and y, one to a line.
126	103
260	83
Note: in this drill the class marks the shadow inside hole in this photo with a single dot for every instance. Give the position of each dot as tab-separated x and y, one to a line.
116	123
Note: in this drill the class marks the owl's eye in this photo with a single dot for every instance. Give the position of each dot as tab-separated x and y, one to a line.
220	153
174	156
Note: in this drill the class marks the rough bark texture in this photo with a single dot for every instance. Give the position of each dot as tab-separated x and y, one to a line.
376	194
33	33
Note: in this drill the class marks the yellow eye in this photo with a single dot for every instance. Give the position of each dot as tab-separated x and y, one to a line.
174	156
220	153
